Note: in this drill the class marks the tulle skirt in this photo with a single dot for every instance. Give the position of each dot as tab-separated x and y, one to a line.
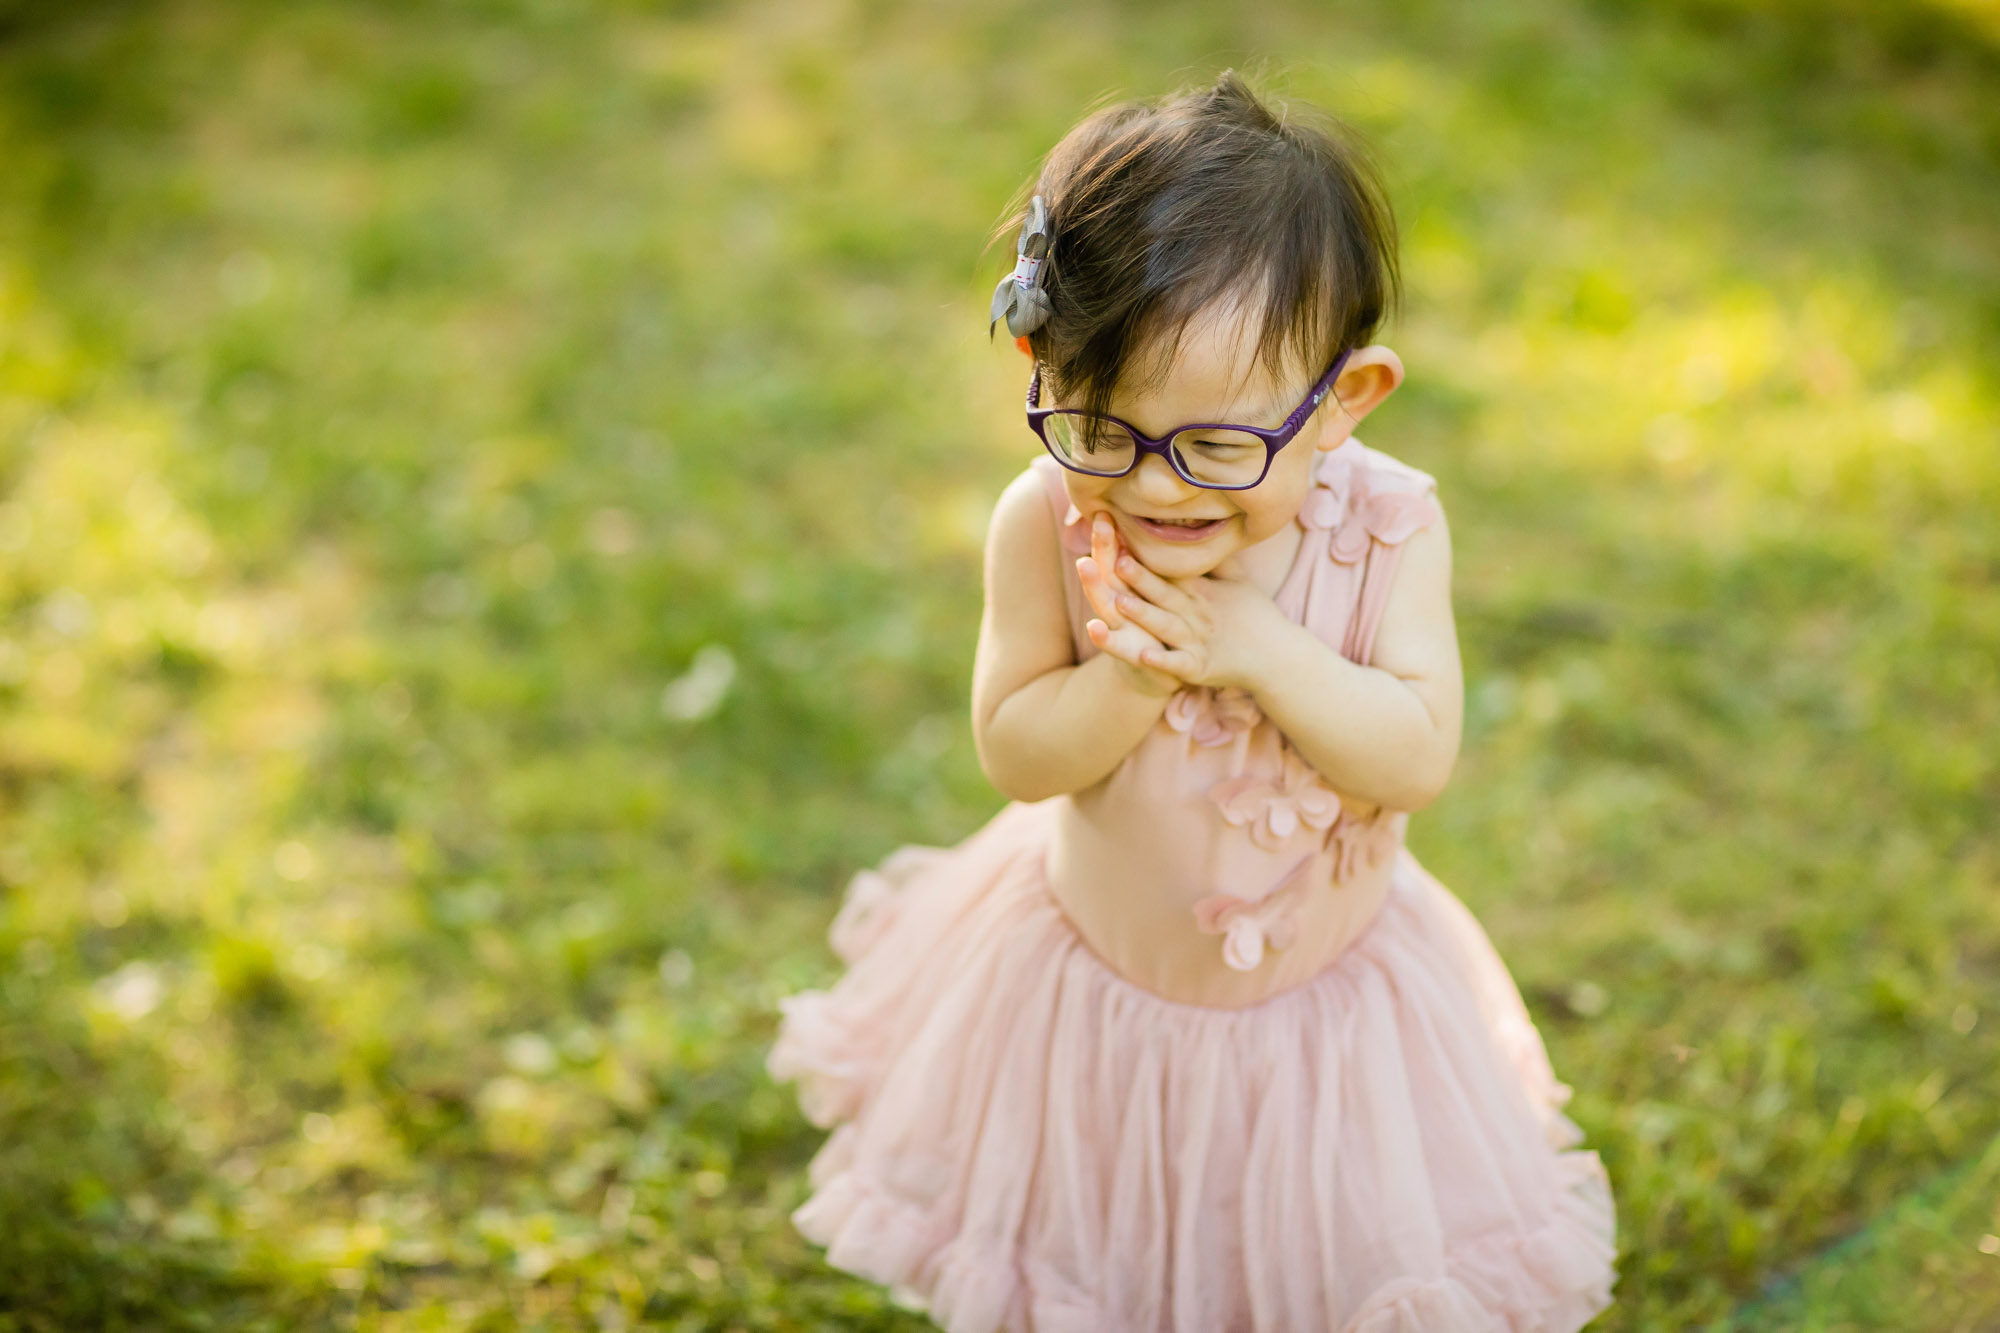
1025	1141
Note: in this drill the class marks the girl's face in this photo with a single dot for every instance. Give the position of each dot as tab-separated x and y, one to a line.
1217	377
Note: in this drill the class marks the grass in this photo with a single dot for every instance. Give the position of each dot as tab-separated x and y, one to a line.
1912	1257
490	505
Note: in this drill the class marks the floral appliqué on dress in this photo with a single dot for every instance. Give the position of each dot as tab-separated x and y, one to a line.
1347	503
1273	812
1213	715
1247	927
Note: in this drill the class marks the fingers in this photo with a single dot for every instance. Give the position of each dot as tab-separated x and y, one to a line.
1105	541
1128	645
1106	549
1120	608
1163	625
1169	613
1133	625
1150	585
1170	669
1098	589
1173	661
1094	571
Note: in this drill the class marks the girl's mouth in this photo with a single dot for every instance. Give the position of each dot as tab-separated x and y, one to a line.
1170	531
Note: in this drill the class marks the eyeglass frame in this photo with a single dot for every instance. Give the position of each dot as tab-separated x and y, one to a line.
1274	440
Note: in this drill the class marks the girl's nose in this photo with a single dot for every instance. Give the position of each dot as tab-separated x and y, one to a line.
1156	482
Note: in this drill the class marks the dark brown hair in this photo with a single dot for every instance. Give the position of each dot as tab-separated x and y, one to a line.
1159	209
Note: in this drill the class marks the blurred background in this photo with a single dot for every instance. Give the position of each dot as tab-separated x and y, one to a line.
491	499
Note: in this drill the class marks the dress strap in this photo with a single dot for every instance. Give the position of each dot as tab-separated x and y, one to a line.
1377	577
1052	489
1373	503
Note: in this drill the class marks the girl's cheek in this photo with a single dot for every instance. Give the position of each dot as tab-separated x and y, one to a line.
1272	518
1257	527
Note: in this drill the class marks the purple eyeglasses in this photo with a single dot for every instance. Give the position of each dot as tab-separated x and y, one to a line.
1215	456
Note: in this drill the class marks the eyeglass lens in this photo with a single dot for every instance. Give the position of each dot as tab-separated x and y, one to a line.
1210	457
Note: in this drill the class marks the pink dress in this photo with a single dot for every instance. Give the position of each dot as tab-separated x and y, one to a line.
1198	1049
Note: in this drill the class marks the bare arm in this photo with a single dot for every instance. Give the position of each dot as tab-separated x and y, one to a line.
1044	725
1387	733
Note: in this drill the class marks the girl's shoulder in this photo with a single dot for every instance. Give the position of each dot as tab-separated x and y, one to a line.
1044	476
1033	539
1022	513
1368	493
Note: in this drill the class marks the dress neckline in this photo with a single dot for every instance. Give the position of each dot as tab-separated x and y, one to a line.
1289	586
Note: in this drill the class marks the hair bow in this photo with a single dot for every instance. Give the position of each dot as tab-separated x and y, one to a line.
1019	295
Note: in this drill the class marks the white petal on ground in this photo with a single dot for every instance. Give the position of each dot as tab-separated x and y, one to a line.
700	690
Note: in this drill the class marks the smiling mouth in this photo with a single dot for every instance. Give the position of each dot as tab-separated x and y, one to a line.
1178	529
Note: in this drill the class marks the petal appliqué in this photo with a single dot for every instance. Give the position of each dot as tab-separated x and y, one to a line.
1213	716
1349	544
1282	818
1316	803
1322	509
1243	946
1319	806
1350	504
1397	516
1249	929
1274	811
1359	843
1241	799
1213	913
1338	474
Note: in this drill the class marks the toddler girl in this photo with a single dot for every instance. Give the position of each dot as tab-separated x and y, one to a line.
1184	1038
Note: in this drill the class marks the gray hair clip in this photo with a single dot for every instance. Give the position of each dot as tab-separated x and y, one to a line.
1020	296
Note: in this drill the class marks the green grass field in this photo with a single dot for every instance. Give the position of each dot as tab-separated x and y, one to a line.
491	495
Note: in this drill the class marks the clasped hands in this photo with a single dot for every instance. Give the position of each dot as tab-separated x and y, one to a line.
1170	633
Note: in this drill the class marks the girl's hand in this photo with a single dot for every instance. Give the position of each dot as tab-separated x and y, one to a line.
1119	639
1204	630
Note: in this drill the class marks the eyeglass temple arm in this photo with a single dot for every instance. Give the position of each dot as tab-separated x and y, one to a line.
1326	382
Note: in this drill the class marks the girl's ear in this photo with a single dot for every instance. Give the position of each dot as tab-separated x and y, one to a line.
1370	375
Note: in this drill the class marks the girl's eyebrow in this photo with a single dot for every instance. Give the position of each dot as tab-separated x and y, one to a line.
1272	408
1268	409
